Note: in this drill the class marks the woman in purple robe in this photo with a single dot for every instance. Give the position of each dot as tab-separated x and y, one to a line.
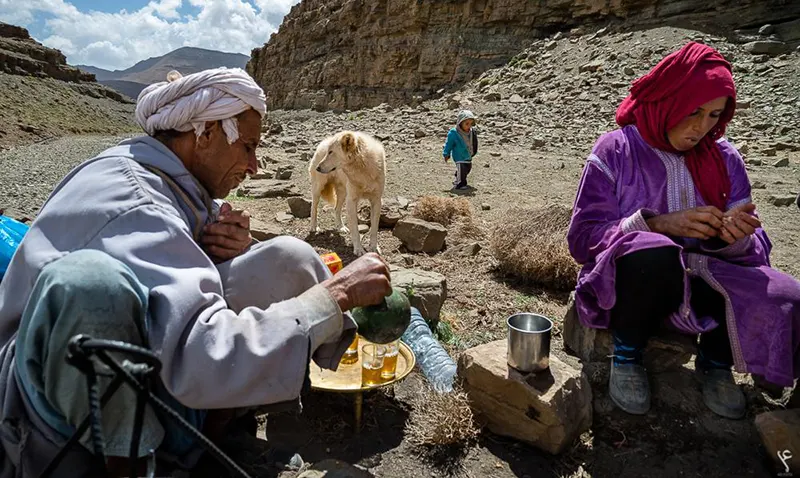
665	229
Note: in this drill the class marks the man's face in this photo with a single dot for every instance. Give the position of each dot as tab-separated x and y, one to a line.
220	167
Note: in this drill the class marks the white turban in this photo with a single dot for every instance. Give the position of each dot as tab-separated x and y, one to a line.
185	103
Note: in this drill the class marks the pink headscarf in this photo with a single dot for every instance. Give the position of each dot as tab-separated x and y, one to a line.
665	96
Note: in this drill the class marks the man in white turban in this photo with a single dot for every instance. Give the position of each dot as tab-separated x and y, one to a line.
131	246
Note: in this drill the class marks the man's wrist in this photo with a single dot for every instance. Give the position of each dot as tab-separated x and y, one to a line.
338	294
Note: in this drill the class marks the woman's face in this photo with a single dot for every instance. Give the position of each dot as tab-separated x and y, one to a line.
467	124
694	127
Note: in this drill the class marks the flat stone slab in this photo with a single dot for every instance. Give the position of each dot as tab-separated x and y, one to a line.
264	231
663	352
267	188
548	410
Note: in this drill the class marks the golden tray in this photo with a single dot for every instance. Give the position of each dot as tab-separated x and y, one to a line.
347	379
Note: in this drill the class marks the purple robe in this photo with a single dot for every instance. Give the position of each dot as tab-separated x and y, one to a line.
626	181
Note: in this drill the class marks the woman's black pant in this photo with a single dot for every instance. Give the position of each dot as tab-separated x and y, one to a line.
649	286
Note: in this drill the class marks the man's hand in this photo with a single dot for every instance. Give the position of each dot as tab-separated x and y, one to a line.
229	236
702	223
738	223
364	282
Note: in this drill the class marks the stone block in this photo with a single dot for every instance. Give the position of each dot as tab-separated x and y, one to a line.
420	236
548	410
430	290
300	207
664	351
392	210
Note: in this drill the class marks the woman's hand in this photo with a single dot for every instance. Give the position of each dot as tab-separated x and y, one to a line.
738	223
229	236
702	222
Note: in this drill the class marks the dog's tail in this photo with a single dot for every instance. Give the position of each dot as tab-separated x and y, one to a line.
329	193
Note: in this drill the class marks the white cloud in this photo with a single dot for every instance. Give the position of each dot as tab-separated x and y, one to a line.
119	40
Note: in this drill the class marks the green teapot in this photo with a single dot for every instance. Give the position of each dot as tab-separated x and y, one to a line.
384	322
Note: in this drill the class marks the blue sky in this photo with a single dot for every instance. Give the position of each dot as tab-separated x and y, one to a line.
115	34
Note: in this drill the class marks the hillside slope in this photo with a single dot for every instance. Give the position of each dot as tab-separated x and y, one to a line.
43	97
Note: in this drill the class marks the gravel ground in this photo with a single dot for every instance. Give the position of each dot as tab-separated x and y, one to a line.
29	173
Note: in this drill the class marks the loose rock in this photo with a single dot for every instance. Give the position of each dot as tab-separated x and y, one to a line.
769	47
263	175
420	236
284	172
781	201
283	217
300	207
267	188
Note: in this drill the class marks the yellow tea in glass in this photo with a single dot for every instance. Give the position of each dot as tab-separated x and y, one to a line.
351	355
390	360
371	364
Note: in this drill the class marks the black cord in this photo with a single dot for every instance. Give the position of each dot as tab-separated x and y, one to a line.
51	467
81	348
98	442
141	373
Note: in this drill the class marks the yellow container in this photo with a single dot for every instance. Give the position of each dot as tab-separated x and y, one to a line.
333	262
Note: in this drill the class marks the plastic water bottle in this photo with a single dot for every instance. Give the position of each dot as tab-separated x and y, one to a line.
435	363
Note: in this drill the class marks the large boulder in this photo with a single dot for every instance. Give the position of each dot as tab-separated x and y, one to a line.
420	236
548	410
664	351
429	290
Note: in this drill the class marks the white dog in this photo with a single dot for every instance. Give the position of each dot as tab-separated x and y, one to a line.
349	165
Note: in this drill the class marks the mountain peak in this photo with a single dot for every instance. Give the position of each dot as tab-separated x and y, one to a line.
186	60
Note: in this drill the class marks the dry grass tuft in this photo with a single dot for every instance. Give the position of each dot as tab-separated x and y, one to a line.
442	210
466	229
531	245
440	419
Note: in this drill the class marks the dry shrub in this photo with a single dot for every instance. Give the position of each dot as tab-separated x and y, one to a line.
531	245
440	419
442	210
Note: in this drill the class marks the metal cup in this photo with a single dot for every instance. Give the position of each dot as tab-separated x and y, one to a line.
529	342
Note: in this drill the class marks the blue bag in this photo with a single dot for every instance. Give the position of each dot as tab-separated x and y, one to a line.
11	234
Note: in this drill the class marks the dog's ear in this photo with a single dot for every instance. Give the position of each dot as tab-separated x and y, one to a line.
349	143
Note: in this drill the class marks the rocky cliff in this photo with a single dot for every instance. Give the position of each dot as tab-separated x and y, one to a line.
350	54
43	97
22	55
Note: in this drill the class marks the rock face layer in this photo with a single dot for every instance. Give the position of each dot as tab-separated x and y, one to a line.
350	54
22	55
